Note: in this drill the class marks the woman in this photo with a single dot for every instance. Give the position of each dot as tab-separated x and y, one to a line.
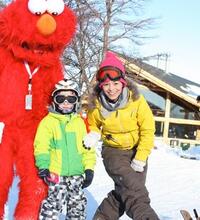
123	120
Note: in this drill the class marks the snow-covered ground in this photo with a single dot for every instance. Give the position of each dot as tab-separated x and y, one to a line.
173	183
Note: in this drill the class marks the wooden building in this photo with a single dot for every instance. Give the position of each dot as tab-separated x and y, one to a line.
172	99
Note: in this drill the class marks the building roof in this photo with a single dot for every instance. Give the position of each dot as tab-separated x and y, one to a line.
184	88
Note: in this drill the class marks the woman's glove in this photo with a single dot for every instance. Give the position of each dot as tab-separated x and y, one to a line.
89	174
138	165
91	139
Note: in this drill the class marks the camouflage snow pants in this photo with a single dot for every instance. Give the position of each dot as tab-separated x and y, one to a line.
67	193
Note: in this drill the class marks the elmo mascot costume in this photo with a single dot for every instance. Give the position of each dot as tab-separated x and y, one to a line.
33	35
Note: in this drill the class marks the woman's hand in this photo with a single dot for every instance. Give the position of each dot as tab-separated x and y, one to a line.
91	140
138	165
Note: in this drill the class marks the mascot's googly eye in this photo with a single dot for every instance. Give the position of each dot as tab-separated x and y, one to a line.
55	7
37	7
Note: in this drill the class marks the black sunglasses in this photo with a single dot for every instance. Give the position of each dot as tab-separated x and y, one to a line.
59	99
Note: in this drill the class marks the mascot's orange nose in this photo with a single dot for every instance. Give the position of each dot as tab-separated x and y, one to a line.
46	24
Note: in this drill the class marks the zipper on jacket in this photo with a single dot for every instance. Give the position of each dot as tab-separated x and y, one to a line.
63	126
109	137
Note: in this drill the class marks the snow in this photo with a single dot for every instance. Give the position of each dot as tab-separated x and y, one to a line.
173	182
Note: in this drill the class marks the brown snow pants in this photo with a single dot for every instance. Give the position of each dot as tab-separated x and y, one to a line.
130	195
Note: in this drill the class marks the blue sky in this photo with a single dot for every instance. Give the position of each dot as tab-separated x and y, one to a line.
177	34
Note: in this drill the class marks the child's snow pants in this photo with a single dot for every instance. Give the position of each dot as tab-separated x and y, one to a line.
67	194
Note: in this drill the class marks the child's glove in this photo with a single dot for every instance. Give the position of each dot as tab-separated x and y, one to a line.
138	165
43	173
48	177
89	174
91	139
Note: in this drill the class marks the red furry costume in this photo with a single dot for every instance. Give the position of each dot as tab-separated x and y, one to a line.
33	32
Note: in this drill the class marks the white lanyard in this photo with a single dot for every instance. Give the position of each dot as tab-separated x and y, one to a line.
30	75
28	98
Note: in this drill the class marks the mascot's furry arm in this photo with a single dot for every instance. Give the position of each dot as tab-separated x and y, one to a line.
33	35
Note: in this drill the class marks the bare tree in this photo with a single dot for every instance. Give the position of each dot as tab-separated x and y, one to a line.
2	4
82	58
103	25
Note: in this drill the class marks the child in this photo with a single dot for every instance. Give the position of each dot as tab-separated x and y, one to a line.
60	156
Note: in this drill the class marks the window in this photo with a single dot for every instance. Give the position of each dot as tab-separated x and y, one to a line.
156	101
159	128
180	110
183	131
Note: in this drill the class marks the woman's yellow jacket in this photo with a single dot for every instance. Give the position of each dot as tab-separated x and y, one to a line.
128	127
